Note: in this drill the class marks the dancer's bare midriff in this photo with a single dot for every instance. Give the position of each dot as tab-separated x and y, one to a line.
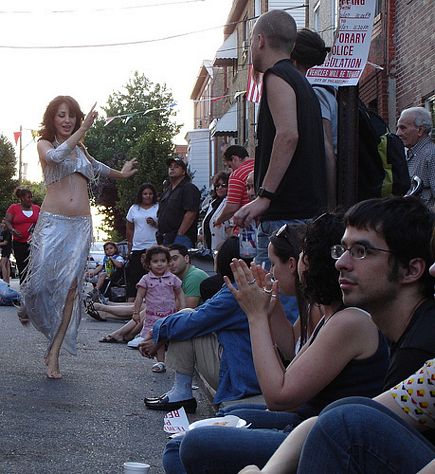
68	197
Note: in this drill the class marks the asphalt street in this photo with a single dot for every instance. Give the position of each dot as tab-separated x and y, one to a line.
90	421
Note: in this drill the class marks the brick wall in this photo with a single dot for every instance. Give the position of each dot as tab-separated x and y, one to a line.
415	52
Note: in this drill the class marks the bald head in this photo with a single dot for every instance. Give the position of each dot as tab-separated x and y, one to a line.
279	28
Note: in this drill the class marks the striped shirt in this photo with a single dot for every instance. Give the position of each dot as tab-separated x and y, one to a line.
237	183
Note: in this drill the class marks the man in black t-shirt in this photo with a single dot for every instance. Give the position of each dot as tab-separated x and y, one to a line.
384	259
178	207
290	171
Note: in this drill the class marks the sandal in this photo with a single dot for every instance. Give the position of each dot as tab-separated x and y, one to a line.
92	312
159	368
109	338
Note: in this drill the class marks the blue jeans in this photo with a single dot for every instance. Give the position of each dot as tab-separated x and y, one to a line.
260	417
211	450
217	450
179	239
265	230
358	435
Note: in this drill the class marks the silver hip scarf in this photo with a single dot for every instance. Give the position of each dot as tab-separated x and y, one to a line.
58	255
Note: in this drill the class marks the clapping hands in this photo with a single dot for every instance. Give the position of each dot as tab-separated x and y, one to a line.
256	291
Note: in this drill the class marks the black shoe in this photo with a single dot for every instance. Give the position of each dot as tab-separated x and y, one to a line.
165	405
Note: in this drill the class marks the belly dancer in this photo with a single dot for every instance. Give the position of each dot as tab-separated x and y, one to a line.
52	290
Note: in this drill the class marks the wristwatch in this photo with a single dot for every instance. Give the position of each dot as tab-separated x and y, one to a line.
263	193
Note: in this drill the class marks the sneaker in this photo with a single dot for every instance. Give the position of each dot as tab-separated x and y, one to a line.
134	343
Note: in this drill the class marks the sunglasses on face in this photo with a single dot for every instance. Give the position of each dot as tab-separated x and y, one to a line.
221	185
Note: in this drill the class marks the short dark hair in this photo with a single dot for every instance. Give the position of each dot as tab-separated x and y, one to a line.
182	249
405	224
141	190
20	192
47	131
110	243
155	250
237	150
229	249
221	176
310	49
320	283
279	28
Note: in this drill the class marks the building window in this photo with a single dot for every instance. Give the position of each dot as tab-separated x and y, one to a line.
316	19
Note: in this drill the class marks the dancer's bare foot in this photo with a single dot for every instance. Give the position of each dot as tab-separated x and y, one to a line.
52	363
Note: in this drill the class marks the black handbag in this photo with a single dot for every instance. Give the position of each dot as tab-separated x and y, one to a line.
118	294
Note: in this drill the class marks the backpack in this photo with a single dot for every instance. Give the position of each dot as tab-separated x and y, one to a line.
382	167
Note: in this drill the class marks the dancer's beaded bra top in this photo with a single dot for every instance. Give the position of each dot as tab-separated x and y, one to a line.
63	161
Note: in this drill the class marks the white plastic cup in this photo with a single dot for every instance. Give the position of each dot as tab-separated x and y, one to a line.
136	468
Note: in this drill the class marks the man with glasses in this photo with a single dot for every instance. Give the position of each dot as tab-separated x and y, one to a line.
290	173
237	159
383	260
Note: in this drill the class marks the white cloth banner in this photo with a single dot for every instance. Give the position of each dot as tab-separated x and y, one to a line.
345	63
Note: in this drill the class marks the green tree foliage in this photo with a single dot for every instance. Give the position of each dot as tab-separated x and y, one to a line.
145	135
7	182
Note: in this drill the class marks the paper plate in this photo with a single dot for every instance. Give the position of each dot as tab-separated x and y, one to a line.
229	420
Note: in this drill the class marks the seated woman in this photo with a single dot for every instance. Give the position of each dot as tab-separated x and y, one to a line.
213	236
345	355
386	431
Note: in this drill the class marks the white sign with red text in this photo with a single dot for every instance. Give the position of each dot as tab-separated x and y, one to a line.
345	63
176	422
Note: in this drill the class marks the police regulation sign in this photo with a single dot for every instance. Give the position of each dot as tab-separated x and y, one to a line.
346	61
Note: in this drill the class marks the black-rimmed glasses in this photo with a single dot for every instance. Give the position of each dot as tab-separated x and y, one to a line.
356	251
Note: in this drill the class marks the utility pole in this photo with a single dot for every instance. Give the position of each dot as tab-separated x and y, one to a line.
347	162
20	157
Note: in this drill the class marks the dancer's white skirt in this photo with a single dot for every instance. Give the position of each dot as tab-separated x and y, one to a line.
58	255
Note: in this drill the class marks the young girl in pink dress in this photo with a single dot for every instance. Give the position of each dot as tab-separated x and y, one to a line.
161	291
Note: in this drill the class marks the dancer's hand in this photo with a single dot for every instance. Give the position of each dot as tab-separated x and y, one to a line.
129	169
90	118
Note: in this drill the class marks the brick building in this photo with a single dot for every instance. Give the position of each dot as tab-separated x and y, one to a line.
401	68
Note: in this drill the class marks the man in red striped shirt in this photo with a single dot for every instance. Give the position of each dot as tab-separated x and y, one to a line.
236	157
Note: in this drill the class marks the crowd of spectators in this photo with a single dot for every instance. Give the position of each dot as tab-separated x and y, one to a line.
348	386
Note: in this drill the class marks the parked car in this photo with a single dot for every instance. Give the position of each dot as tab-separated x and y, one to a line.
97	252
